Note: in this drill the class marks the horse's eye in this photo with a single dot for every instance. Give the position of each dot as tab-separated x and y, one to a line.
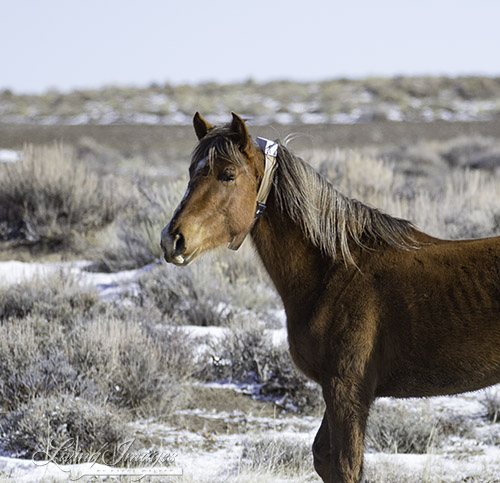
227	175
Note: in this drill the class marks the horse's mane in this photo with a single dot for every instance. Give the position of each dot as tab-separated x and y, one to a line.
327	217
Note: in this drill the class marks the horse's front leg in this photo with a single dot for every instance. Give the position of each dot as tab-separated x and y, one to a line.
347	407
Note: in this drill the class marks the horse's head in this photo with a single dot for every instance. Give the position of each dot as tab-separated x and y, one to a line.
219	206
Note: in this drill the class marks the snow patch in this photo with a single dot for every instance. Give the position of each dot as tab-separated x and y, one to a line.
10	156
109	285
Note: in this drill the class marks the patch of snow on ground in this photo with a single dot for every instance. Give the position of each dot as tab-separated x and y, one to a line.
439	468
10	156
13	272
213	333
108	284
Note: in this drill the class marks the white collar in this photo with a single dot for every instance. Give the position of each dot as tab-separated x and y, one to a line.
270	150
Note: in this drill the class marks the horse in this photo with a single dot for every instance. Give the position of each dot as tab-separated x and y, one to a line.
374	306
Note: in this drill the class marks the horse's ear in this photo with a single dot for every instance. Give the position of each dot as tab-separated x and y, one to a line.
239	127
201	126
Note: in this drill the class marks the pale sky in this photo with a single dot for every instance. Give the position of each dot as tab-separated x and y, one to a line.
67	44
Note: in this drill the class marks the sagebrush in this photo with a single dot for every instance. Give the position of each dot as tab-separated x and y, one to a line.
49	200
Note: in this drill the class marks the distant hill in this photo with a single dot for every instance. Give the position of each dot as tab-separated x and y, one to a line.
337	101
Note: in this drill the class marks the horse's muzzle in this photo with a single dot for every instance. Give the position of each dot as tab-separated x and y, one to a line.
173	245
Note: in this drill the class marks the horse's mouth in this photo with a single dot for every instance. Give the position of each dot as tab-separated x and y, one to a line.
183	260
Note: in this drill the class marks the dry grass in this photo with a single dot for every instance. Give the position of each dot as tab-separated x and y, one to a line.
397	427
441	199
270	457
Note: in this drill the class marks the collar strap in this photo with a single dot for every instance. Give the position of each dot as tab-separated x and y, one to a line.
270	150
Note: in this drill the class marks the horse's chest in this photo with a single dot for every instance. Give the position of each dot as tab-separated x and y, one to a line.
305	354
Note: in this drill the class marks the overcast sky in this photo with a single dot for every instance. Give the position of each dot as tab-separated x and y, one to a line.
66	44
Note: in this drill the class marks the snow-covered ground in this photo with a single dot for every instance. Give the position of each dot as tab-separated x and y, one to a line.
212	456
223	461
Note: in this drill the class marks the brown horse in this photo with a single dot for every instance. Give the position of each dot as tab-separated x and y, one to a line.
374	307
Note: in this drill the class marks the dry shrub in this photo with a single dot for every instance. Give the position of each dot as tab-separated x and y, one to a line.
220	289
45	424
472	152
247	357
134	239
49	200
394	429
72	341
131	368
104	360
33	361
449	202
181	297
37	319
57	296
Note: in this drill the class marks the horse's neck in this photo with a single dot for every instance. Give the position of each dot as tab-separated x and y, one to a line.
298	269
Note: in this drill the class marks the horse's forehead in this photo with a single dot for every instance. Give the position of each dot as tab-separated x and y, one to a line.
211	159
216	152
200	164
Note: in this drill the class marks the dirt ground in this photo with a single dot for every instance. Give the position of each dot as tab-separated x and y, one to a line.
131	139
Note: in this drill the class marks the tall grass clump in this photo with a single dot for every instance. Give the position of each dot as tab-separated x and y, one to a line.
396	428
50	201
491	403
278	457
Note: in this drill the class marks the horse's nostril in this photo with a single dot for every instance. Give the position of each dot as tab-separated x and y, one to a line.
179	244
